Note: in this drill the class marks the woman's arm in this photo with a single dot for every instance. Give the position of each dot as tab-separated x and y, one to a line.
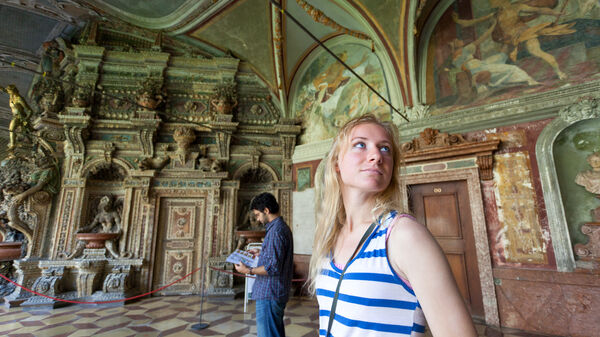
414	253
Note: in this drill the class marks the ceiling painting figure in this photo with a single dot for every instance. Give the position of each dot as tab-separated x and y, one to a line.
491	50
328	94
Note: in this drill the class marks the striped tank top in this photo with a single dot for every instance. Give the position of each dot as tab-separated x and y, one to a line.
373	299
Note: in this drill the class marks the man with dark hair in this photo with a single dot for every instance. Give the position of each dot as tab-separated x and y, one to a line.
274	271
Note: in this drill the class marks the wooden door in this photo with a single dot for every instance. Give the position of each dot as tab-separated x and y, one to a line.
444	208
179	245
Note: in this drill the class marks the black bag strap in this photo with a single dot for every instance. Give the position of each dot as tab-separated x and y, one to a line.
337	289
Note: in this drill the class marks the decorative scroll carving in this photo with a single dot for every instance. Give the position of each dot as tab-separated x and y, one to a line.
431	138
320	17
49	282
485	164
435	145
418	111
591	250
119	280
585	108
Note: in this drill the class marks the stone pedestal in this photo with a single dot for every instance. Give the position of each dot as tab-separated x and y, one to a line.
27	271
94	278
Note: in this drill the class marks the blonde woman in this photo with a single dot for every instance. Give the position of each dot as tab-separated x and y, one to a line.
394	277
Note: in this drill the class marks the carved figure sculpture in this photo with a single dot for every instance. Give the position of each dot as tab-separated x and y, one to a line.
106	220
21	114
591	179
151	95
225	100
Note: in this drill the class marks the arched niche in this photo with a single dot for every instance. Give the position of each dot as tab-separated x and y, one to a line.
253	181
585	109
102	178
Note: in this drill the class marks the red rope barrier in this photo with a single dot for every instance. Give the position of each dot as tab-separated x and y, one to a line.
100	302
133	297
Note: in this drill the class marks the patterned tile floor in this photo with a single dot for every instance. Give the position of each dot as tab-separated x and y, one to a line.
157	316
170	316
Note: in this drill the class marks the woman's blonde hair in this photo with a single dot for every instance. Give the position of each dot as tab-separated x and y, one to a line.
330	207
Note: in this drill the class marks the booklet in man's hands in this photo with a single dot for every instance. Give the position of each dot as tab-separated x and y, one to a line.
243	256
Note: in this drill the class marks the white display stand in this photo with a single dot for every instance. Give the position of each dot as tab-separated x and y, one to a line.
250	281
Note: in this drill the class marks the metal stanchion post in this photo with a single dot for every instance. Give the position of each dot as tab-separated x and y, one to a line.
200	326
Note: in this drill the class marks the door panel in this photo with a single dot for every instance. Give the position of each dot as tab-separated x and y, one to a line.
444	208
179	246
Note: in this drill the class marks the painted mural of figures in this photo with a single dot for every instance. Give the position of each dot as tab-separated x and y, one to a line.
21	114
333	77
491	72
511	29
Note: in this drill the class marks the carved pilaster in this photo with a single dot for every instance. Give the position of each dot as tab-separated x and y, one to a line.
223	141
485	163
287	143
147	123
255	158
89	274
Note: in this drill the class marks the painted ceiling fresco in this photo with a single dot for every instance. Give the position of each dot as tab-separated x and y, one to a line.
328	94
490	50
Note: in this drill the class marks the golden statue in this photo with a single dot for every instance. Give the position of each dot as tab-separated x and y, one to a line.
21	114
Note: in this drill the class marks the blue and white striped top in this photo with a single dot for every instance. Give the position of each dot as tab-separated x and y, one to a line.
373	299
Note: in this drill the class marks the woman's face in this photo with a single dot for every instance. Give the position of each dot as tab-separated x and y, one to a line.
366	163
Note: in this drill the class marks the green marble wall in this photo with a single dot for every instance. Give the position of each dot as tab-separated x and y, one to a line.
571	148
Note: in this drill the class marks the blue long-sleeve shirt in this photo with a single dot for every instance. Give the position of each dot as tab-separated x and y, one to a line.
277	256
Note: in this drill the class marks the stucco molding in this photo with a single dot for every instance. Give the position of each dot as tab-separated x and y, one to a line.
508	112
584	108
312	151
190	14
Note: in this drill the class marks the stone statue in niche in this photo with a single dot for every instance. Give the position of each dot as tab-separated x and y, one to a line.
106	220
22	113
590	179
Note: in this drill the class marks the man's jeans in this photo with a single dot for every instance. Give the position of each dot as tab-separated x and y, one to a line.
269	318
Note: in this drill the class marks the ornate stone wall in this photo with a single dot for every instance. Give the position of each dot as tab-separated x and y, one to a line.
166	135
